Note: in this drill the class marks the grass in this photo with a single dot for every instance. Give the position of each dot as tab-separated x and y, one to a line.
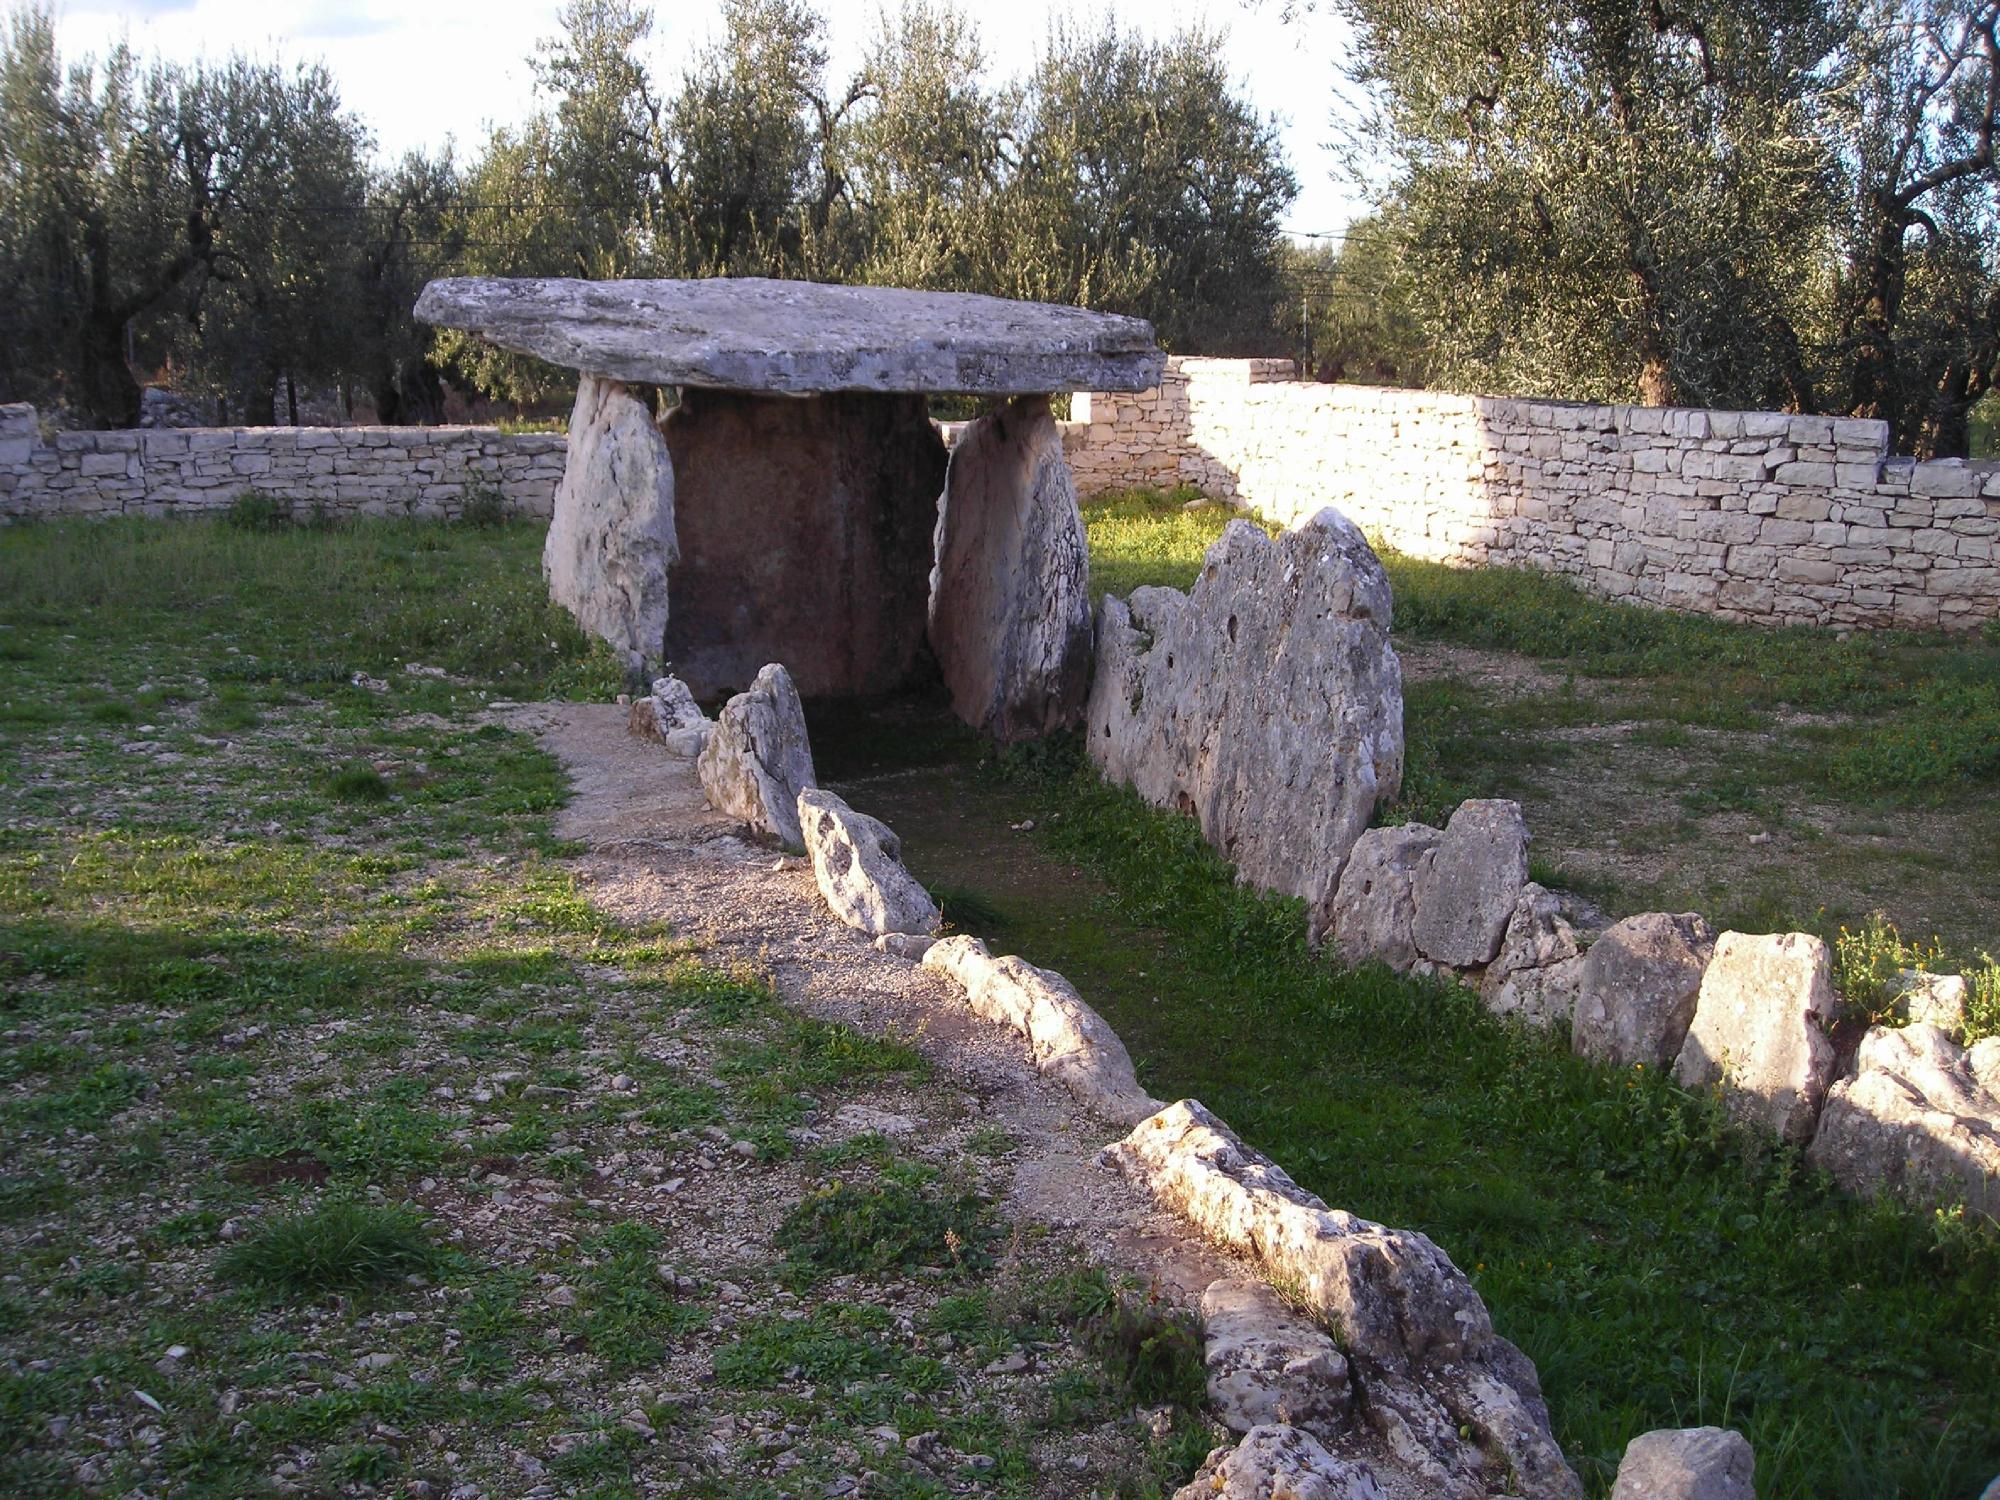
340	1246
892	1225
304	998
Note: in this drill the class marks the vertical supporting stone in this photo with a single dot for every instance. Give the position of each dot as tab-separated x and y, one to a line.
1010	592
611	539
805	530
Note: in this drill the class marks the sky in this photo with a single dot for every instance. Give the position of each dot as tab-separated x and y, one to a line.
421	72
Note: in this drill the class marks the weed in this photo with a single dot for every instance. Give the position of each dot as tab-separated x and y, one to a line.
339	1245
358	784
483	506
253	510
843	1228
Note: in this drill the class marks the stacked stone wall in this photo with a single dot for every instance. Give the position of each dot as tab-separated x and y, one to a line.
344	471
1748	515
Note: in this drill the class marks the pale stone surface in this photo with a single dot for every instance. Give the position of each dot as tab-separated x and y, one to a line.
1267	1362
805	537
1638	987
1267	702
1009	605
1375	904
910	945
800	337
758	760
612	537
1457	1406
1914	1119
1466	893
1066	1038
1760	1030
1539	968
1277	1462
1936	998
670	715
858	863
1691	1463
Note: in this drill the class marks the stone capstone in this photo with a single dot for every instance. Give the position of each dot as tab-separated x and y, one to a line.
1267	1362
1009	607
758	760
1759	1031
797	338
1638	987
858	863
1539	969
612	538
1915	1119
1447	1402
1066	1038
1277	1462
1267	702
1375	904
1466	893
805	537
1692	1463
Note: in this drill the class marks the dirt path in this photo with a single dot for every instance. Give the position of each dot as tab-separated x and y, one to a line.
656	853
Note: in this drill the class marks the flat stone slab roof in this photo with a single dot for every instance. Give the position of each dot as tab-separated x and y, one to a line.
801	337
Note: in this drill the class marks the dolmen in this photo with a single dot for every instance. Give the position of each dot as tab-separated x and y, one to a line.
796	503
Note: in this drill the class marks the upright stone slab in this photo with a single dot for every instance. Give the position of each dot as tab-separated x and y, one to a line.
757	759
805	537
1760	1030
1010	591
1466	893
1267	702
612	538
1689	1463
1639	985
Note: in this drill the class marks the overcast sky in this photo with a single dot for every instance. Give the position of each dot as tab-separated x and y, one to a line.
419	71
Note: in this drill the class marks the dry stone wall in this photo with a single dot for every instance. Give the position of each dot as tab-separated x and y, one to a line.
423	471
1748	515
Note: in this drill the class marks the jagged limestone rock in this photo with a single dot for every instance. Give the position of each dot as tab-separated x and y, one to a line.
1278	1462
1914	1119
1639	985
1539	969
1267	1362
1759	1030
671	716
794	338
1375	904
1455	1407
1065	1036
612	539
858	863
1691	1463
1467	890
1267	702
1010	588
758	760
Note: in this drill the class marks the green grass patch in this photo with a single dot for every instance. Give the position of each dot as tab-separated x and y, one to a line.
884	1226
342	1245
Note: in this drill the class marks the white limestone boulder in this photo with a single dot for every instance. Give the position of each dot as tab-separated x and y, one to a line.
1637	989
1691	1463
671	716
858	863
1759	1031
1375	904
1938	999
757	759
1914	1119
1466	893
1010	587
1539	969
1278	1462
1455	1408
611	539
1267	1362
1267	702
1066	1038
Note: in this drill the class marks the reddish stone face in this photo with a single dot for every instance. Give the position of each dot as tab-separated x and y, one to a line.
805	538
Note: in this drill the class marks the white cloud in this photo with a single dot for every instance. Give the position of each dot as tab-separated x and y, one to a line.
419	74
